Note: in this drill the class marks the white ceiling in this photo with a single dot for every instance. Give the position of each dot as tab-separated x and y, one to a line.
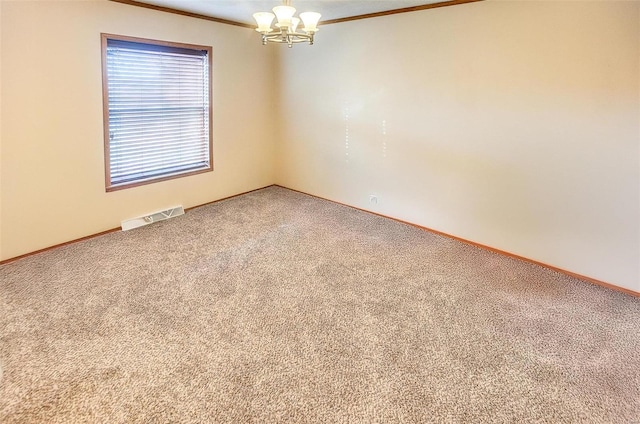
242	10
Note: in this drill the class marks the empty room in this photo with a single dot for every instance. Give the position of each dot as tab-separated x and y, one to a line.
319	211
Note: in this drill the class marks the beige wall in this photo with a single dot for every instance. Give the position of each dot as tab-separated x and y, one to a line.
51	157
511	124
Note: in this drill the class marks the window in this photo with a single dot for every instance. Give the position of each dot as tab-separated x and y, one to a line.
157	110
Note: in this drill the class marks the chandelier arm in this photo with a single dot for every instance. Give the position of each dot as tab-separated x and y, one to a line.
286	37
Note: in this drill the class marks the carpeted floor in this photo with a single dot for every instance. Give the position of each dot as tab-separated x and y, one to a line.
279	307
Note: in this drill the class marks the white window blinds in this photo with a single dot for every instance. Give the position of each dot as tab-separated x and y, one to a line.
159	111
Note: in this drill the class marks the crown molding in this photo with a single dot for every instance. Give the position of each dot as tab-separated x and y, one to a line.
327	22
396	11
183	13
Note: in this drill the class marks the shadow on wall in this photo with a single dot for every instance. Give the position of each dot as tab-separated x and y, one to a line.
449	175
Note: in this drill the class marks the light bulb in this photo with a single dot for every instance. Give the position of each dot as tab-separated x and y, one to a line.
284	15
263	19
310	20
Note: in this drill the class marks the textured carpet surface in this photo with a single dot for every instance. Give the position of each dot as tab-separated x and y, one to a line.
279	307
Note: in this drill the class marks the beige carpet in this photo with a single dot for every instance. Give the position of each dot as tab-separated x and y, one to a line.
279	307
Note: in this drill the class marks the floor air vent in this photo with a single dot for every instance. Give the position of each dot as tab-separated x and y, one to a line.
140	221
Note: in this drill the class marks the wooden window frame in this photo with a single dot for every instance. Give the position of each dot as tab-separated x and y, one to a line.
105	96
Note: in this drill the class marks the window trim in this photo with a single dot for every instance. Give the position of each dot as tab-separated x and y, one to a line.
105	109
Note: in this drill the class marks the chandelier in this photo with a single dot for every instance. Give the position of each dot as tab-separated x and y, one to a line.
287	25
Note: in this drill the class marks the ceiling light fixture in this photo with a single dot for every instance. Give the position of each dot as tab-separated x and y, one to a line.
287	25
